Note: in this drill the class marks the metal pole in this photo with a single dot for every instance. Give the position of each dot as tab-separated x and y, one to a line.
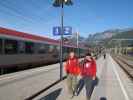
78	43
61	42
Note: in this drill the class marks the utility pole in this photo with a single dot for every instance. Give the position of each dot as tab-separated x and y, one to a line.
60	3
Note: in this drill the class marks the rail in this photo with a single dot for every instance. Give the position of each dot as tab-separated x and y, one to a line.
125	65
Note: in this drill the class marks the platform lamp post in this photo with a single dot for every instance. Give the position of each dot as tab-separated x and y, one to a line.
61	3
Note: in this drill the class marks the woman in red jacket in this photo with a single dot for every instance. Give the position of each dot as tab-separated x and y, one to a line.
88	73
72	69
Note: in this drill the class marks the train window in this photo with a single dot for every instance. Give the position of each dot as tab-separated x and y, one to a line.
64	50
70	49
21	47
42	48
67	49
29	47
46	47
0	46
11	46
51	48
58	48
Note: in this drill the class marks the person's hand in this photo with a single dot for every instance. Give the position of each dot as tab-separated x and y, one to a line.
93	78
79	76
64	64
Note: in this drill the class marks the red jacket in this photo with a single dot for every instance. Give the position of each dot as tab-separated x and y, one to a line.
88	68
72	66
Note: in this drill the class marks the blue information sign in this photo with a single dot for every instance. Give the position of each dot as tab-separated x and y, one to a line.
67	30
56	30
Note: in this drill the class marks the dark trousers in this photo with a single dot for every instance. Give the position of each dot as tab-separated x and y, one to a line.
88	83
88	86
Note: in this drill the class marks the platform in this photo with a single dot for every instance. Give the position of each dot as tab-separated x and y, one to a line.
110	87
114	84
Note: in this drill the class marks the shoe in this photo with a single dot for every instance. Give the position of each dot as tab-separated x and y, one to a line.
71	96
75	94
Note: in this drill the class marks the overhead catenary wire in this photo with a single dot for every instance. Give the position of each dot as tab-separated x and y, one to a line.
11	10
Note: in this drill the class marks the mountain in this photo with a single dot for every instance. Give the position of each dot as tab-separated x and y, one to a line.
110	34
103	38
104	35
128	34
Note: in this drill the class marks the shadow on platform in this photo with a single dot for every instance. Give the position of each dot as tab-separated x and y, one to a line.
103	98
53	95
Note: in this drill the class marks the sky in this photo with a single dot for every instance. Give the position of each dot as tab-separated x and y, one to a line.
85	16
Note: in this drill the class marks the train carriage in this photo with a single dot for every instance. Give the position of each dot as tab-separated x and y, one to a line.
22	50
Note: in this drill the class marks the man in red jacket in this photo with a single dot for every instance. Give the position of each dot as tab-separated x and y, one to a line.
72	69
88	72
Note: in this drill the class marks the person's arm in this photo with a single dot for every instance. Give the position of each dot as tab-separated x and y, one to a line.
78	67
94	69
66	66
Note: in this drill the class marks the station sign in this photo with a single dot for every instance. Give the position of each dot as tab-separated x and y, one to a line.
67	30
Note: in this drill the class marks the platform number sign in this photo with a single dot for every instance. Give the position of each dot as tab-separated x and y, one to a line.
56	30
67	30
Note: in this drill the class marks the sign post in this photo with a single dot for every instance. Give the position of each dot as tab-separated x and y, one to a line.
60	31
61	3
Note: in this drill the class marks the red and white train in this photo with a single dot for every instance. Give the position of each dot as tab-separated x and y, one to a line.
19	49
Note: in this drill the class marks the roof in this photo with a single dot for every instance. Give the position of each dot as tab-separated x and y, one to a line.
11	32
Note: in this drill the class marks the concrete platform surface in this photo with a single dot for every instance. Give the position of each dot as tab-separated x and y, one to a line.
114	84
110	87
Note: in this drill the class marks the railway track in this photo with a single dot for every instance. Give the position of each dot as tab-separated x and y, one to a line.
125	65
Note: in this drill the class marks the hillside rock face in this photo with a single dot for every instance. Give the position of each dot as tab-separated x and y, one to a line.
111	34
